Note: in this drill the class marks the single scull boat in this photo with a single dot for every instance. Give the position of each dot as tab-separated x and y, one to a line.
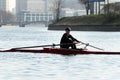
61	51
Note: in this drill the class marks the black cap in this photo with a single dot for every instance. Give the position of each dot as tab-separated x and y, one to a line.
68	29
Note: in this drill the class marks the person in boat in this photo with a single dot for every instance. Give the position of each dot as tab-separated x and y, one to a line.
68	40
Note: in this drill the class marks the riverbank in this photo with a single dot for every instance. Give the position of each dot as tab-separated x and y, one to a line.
86	27
102	22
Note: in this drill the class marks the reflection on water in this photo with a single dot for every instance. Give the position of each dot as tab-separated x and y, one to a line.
29	66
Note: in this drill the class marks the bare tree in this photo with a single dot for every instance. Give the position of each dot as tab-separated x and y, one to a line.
113	8
10	17
56	8
6	17
86	3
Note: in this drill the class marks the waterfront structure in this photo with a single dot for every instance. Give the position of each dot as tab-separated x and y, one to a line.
37	17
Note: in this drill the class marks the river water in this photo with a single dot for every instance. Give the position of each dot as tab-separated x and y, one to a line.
29	66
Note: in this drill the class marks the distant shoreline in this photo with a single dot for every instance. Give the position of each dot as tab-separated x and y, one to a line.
102	22
86	27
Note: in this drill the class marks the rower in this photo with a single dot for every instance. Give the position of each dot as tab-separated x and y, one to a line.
68	40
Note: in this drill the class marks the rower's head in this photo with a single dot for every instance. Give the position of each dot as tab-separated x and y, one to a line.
68	29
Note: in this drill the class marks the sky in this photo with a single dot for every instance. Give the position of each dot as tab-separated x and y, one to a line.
12	3
114	0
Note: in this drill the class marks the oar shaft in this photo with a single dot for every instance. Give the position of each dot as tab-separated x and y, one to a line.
34	46
43	46
91	46
95	47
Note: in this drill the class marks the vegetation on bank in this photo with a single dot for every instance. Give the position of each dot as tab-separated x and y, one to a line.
102	19
108	15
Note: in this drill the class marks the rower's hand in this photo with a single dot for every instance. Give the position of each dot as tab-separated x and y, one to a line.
87	44
81	42
76	42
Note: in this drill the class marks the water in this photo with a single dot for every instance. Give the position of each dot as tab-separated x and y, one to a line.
29	66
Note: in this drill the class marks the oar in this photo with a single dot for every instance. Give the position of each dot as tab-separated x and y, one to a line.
87	44
2	49
53	45
36	46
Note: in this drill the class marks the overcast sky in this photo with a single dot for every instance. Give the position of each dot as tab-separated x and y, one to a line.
12	2
114	0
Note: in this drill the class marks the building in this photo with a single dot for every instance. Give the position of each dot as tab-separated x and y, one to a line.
32	11
68	12
37	11
4	5
7	5
30	6
21	5
37	17
36	6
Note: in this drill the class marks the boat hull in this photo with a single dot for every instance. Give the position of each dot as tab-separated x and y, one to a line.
61	51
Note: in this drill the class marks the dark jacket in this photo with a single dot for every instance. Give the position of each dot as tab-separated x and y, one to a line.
66	40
